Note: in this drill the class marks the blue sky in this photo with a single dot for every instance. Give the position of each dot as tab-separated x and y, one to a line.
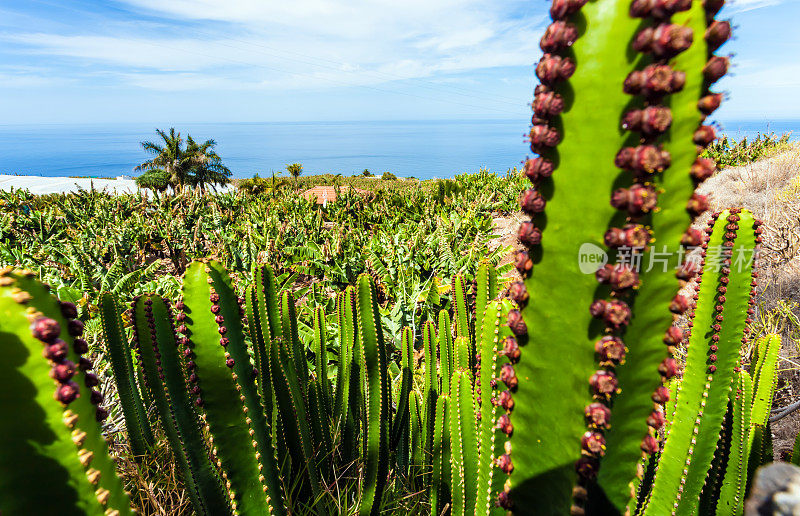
173	61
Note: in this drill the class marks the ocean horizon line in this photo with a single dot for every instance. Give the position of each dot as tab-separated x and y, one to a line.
422	149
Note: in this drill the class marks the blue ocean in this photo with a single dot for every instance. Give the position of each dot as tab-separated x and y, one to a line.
422	149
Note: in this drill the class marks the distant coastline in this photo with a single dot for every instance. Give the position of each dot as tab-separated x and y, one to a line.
422	149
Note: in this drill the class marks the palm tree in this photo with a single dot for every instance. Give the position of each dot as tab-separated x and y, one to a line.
295	169
168	158
205	165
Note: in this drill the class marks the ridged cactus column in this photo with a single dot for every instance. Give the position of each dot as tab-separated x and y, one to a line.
374	378
222	378
139	432
53	457
719	324
615	126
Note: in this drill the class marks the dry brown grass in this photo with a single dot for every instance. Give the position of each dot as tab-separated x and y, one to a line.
770	188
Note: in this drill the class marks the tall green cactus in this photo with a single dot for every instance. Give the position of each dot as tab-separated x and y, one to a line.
731	496
764	383
54	458
597	55
719	324
164	368
211	325
139	432
374	377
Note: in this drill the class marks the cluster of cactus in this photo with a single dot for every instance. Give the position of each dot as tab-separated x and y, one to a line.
564	396
292	422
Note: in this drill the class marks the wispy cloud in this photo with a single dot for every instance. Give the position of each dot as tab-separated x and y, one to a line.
738	6
337	42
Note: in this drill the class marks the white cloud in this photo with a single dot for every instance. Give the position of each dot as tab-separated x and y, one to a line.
738	6
300	44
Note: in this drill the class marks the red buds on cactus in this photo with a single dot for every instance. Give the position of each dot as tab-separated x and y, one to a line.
661	395
538	168
709	103
665	40
63	372
658	9
553	69
547	104
619	277
91	380
649	445
558	36
615	313
644	159
508	376
543	136
68	310
597	415
563	8
687	270
692	238
516	323
656	420
703	168
716	68
45	329
587	467
673	336
593	444
511	349
637	199
603	383
504	424
518	293
531	202
717	33
57	351
654	81
529	234
704	135
67	393
712	7
633	236
504	501
523	263
611	350
506	401
697	204
668	368
504	463
650	121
